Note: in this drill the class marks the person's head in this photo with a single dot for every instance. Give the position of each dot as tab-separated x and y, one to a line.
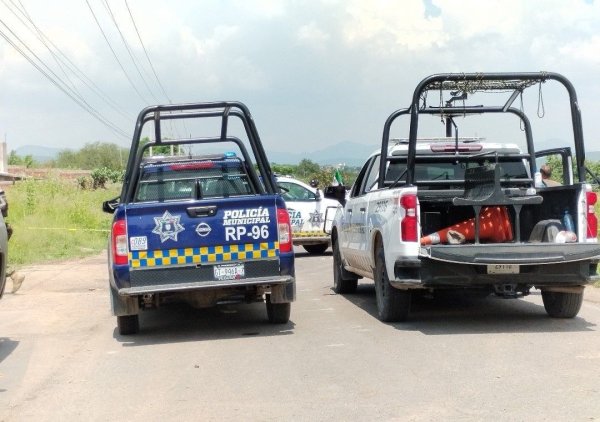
546	171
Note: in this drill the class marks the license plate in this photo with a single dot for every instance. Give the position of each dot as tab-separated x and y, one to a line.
229	272
503	269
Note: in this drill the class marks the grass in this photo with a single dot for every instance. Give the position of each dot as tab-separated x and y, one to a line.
55	220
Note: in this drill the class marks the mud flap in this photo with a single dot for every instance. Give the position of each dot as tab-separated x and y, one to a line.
283	293
123	305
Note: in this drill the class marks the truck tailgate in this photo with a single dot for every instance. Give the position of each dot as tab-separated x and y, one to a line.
529	253
223	233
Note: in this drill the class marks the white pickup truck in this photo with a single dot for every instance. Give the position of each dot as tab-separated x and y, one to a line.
460	213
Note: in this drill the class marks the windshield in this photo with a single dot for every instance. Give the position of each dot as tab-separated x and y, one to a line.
192	179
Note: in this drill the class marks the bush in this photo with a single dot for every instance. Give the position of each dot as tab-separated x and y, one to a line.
55	219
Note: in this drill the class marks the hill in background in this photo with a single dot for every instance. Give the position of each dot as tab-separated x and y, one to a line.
349	153
39	153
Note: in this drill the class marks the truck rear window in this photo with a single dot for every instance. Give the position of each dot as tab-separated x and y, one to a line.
195	179
440	171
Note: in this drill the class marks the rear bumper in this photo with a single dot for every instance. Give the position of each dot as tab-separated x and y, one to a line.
512	253
201	285
276	276
539	265
435	273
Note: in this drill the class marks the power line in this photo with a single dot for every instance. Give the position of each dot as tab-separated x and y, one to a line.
146	53
24	12
62	87
153	69
131	56
115	54
63	61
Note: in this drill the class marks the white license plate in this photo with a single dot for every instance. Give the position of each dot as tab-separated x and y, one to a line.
229	272
503	269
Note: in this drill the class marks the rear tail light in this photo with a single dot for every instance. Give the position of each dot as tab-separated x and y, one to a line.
284	229
119	242
409	223
592	220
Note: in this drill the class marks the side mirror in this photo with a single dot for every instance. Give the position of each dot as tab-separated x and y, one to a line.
336	192
111	205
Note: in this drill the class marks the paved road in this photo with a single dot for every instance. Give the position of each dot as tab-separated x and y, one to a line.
62	359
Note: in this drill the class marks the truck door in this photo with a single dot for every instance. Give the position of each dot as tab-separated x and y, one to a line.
358	208
370	184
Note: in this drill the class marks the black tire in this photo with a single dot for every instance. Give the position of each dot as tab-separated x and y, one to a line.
318	249
278	313
343	282
393	305
562	305
128	324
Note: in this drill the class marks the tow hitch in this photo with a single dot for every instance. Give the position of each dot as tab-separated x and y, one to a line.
509	291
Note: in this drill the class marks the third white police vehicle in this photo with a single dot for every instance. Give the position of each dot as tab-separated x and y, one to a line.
308	211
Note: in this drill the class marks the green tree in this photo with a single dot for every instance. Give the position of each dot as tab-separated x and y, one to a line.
159	149
594	167
14	159
306	168
28	161
94	155
555	163
283	169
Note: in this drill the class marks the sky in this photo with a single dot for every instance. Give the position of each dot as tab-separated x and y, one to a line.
314	73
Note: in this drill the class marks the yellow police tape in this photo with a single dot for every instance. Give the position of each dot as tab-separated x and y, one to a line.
309	234
68	229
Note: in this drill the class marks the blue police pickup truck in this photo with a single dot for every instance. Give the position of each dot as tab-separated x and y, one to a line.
200	219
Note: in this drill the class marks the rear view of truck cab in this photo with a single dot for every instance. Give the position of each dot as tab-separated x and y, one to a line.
199	220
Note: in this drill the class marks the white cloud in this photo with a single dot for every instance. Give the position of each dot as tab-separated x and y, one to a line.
386	24
357	57
310	34
583	51
261	8
472	18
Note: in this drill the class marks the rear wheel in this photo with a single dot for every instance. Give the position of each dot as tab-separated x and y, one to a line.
562	305
278	313
392	304
317	249
342	283
128	324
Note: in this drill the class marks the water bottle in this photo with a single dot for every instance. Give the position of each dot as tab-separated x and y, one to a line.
568	221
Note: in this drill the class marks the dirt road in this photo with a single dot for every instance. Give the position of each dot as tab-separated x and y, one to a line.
62	359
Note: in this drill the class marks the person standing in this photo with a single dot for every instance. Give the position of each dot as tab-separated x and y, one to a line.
546	172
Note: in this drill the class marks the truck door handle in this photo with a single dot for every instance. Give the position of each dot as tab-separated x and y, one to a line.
208	211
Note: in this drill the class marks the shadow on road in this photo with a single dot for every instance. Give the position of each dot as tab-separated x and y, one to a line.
176	323
7	346
302	254
459	314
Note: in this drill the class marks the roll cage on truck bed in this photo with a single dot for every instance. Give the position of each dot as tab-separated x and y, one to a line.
383	231
204	228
